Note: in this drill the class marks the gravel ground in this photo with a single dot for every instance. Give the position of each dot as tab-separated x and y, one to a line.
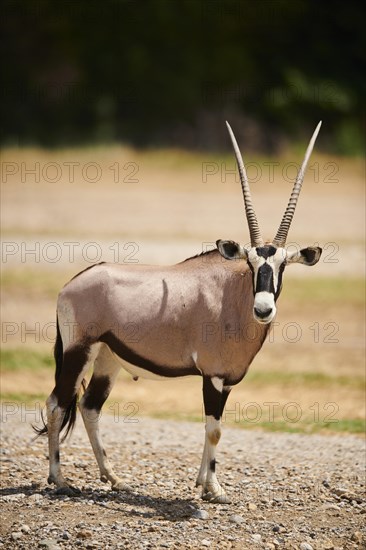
288	491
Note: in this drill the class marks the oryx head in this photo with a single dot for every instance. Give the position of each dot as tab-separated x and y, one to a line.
267	261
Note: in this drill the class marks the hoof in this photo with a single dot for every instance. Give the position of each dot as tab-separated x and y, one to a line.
120	486
63	488
216	499
221	499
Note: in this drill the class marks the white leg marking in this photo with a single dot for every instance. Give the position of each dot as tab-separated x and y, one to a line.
217	383
107	367
91	422
202	474
54	420
55	415
211	488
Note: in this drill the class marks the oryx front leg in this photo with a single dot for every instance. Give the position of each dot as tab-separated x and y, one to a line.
214	398
100	385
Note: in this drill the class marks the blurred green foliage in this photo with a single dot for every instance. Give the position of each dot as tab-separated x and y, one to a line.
168	72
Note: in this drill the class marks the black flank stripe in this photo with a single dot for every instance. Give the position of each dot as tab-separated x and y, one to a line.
134	358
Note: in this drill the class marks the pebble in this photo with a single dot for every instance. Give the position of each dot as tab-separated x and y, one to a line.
352	497
36	498
305	546
339	491
205	542
257	538
236	519
16	535
252	507
200	514
49	544
12	498
331	507
84	534
357	537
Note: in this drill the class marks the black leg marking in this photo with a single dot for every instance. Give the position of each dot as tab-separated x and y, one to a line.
224	396
97	392
65	392
211	398
74	361
57	456
213	465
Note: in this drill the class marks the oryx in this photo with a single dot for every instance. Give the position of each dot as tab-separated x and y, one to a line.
187	319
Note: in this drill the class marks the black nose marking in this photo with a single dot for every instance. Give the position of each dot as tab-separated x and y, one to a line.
262	314
265	279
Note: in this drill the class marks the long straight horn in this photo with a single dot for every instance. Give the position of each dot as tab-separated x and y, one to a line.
281	236
255	234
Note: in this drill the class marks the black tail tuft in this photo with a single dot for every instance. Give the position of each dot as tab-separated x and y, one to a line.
69	419
40	431
58	352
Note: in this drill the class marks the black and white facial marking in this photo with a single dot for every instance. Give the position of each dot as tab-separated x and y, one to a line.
267	264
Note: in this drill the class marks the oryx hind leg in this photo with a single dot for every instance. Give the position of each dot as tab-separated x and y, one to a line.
214	396
61	404
106	369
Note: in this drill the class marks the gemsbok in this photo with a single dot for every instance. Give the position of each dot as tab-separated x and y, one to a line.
187	319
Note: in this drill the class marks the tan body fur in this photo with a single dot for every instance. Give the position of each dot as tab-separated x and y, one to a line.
194	314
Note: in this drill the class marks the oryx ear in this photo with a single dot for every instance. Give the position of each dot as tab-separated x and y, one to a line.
307	256
231	250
